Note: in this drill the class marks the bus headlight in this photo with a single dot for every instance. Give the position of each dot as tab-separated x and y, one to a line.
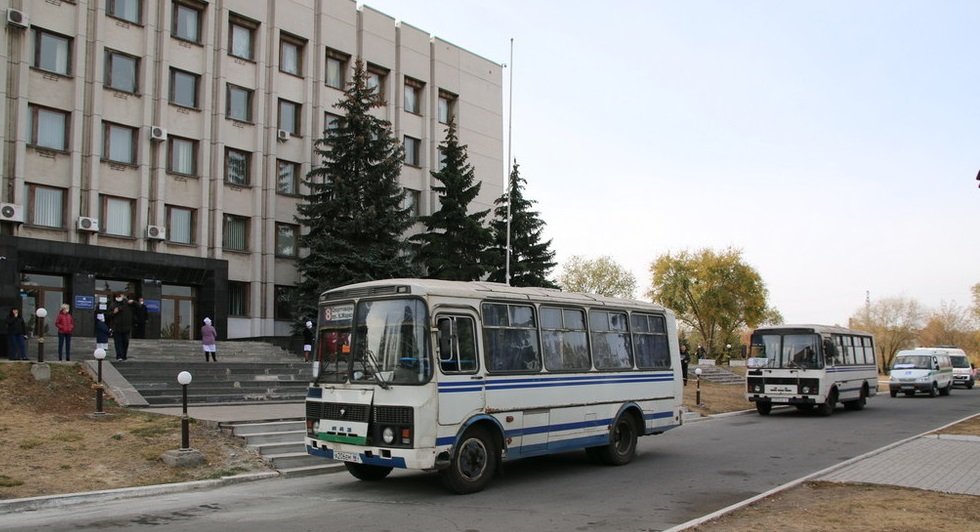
757	388
388	435
805	390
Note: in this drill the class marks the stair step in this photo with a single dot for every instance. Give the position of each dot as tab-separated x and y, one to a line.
246	429
293	460
266	449
275	437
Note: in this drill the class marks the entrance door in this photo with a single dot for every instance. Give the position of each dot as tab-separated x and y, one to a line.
461	385
177	312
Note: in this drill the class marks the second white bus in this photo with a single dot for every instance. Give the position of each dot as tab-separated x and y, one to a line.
456	377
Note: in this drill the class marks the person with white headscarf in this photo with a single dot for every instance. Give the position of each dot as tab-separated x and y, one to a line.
307	340
209	336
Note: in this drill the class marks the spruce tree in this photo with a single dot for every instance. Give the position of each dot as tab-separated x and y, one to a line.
354	208
455	242
531	260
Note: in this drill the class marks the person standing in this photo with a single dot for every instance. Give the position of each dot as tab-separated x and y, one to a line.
101	333
307	340
209	337
685	362
122	326
65	325
17	335
140	315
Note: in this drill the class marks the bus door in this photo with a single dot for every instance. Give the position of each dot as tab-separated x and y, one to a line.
461	384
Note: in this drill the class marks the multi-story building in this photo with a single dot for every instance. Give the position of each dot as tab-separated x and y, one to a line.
157	147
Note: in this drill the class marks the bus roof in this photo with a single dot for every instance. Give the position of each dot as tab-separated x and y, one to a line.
826	329
480	289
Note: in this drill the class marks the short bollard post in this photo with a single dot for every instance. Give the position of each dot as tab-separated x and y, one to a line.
184	378
99	356
697	400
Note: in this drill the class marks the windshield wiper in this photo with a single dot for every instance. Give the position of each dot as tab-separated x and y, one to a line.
375	369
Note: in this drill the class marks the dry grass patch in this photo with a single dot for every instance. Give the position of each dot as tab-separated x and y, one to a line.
52	446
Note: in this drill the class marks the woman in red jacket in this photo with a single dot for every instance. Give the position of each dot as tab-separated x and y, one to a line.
65	324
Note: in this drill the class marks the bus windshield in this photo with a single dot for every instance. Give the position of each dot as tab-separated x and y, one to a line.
383	342
789	351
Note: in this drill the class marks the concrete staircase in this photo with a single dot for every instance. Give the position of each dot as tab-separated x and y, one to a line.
217	382
716	374
280	443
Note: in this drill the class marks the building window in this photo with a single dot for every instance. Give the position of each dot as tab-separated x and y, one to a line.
237	167
336	68
412	151
183	156
289	116
413	95
376	79
119	143
180	225
284	303
183	88
48	128
447	102
286	235
441	163
121	71
187	21
238	298
330	121
128	10
47	206
239	103
411	201
117	216
241	38
52	52
288	178
235	233
291	55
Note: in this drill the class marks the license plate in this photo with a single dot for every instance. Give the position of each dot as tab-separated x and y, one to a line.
907	387
345	456
780	399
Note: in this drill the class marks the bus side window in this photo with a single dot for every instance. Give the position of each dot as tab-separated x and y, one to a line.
457	344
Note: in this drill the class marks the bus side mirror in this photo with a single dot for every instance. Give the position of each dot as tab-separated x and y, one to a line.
445	328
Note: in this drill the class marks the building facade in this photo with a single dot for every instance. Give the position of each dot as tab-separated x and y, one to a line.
157	147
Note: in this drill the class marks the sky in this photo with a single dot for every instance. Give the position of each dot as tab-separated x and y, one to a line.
835	143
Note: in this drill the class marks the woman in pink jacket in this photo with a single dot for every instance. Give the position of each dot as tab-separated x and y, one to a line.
65	325
208	337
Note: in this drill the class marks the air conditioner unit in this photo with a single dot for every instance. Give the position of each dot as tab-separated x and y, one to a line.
158	133
156	232
17	18
283	135
88	224
11	213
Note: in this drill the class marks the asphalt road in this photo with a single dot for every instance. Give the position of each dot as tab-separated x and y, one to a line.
684	474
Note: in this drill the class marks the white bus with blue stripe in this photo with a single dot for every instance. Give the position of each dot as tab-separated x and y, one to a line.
457	377
811	367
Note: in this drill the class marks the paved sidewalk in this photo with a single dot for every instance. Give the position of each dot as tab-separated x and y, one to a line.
945	463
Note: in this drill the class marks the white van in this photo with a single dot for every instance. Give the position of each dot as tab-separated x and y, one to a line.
964	372
921	370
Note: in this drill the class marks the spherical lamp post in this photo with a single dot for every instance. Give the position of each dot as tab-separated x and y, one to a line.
100	356
41	313
697	400
184	378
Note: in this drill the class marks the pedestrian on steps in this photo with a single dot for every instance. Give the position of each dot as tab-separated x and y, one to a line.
101	333
307	341
209	335
65	325
16	335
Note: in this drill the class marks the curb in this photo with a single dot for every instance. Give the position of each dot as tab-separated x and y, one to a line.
793	483
29	504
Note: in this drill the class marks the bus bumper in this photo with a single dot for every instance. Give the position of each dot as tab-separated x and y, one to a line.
785	400
424	459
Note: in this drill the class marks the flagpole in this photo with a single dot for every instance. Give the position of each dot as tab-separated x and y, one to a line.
510	164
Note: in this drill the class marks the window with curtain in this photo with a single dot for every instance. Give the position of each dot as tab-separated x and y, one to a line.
410	201
47	206
445	107
336	66
240	36
291	56
239	103
117	216
235	233
289	116
180	225
288	178
128	10
187	21
237	298
121	71
237	167
183	88
330	121
286	235
183	153
49	128
376	80
120	144
412	151
52	52
413	95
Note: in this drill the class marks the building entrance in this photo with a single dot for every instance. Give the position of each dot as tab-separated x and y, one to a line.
177	312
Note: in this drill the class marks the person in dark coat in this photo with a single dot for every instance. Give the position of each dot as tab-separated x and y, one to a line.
685	362
16	335
140	315
122	325
307	340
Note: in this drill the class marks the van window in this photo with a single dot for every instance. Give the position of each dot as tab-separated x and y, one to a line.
959	361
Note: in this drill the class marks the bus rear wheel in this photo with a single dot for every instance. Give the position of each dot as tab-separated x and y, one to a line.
763	407
474	462
622	443
827	408
367	472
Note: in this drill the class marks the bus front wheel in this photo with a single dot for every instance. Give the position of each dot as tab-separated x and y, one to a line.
622	443
474	462
763	407
827	408
367	472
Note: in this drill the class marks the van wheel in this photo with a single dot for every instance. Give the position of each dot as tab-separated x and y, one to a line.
827	408
934	390
622	443
763	407
474	462
969	385
893	393
367	472
945	391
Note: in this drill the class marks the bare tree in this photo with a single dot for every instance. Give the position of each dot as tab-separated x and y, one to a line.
949	325
895	323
